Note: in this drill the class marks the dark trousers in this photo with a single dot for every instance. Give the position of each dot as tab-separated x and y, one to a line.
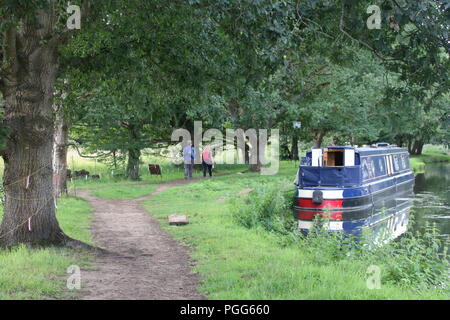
207	167
188	169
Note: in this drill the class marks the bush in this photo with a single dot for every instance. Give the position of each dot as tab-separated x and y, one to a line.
416	260
266	208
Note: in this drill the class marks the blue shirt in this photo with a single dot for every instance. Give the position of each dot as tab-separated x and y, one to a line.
189	153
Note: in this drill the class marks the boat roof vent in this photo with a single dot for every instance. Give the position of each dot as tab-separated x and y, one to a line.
380	144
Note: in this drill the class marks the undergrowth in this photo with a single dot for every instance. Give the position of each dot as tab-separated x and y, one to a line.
414	260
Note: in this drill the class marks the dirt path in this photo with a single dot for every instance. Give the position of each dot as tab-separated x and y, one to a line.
143	261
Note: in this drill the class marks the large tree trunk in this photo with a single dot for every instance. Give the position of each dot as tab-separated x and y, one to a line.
27	86
29	209
60	147
417	147
133	164
317	139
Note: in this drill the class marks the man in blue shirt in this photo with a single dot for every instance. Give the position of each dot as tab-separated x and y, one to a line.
189	157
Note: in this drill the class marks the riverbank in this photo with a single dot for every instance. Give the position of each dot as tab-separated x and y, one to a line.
418	163
238	262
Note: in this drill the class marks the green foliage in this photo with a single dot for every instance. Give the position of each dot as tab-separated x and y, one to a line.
266	208
414	260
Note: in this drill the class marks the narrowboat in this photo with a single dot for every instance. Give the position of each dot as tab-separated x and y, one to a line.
352	188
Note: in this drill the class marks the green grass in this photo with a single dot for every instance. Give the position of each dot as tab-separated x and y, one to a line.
418	163
41	273
124	192
240	263
111	187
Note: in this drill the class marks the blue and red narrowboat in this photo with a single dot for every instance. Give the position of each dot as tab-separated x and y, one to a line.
353	188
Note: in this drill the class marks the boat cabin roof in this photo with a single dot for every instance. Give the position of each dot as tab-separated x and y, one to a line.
379	150
365	151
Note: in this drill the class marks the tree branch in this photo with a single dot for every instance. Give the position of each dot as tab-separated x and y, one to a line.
342	29
88	157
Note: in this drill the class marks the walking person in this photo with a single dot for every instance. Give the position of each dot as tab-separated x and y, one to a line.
189	157
207	161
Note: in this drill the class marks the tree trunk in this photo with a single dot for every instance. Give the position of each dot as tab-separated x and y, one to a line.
133	164
256	167
317	139
114	159
60	146
417	147
29	209
134	154
247	153
410	148
294	148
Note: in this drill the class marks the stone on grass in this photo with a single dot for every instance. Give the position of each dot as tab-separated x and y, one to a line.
178	219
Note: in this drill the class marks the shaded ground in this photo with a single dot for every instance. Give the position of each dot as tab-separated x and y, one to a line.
143	261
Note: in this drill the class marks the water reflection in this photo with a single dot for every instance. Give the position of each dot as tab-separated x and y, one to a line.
386	220
432	200
428	202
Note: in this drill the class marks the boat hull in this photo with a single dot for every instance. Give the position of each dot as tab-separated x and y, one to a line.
352	209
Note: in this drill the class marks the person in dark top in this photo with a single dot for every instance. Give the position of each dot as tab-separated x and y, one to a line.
189	157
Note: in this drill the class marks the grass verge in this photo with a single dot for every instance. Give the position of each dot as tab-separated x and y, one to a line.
39	273
418	163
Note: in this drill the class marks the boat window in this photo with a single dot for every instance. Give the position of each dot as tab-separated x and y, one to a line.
381	165
372	168
388	164
368	168
333	158
396	166
365	168
404	164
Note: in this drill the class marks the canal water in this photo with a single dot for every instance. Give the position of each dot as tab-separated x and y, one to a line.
432	198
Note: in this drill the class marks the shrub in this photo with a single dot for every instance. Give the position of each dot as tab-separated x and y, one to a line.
415	260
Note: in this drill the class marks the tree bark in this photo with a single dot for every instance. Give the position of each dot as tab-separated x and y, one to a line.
294	148
134	154
256	167
317	139
417	147
247	153
29	209
133	164
60	147
27	87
